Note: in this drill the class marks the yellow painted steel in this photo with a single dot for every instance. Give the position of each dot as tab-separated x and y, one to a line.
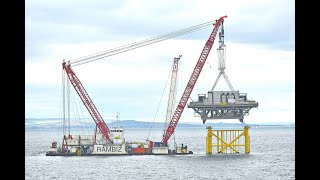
247	139
209	141
228	141
223	104
78	152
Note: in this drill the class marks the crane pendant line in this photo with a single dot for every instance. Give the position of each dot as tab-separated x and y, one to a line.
86	100
192	81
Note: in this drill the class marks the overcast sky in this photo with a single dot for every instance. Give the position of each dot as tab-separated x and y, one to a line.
259	36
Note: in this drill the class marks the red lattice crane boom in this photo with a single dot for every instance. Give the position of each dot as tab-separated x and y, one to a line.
192	81
86	100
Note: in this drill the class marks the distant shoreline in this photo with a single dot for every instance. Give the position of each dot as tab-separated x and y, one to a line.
144	128
55	123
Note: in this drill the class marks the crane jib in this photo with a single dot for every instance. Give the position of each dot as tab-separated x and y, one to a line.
192	81
84	96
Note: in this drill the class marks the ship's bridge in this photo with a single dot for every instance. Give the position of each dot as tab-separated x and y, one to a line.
117	135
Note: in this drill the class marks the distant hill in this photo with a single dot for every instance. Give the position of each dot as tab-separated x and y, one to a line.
55	123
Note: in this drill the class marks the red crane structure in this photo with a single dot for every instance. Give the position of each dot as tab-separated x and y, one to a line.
86	100
192	81
175	118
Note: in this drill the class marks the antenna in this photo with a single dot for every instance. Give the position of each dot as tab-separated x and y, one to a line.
118	116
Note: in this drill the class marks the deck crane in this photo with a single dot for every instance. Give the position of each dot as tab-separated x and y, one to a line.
89	103
192	81
172	92
86	100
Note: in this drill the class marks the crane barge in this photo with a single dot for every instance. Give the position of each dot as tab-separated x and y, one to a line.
107	141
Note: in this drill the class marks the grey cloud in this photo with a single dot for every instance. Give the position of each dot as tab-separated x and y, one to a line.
75	22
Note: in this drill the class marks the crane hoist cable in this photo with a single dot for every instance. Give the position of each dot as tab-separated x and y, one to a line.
165	86
121	49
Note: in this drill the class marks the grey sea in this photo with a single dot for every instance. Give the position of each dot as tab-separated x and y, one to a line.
272	157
